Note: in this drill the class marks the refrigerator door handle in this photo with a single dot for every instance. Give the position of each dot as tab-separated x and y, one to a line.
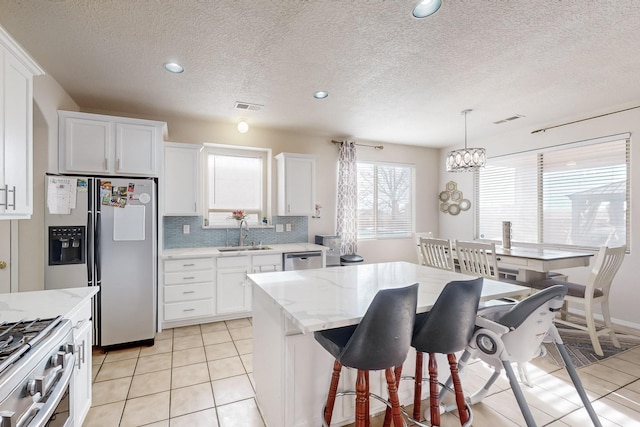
96	250
88	249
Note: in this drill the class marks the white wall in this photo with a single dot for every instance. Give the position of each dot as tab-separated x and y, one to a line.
624	291
48	98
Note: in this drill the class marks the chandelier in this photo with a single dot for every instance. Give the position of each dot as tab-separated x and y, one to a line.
468	159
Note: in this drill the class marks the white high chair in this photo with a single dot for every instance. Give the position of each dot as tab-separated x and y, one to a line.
514	333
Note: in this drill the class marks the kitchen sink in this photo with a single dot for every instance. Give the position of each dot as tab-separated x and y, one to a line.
244	248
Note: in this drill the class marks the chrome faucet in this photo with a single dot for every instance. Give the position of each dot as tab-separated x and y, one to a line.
243	235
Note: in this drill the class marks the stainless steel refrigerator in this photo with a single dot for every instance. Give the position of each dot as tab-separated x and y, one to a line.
102	231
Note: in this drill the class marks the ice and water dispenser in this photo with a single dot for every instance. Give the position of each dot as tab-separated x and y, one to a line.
66	245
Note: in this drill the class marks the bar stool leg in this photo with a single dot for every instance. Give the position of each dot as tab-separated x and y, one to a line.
333	389
387	414
433	390
361	399
457	386
393	397
417	390
367	420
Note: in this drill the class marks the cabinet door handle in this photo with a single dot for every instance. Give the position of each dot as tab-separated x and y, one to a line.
106	164
118	163
6	197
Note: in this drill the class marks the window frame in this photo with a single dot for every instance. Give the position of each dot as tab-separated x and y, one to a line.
255	216
539	214
401	235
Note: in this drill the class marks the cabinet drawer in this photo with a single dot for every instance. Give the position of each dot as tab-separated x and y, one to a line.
180	293
184	277
233	261
272	259
183	310
188	264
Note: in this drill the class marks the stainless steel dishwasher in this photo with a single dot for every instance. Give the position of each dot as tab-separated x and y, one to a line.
302	260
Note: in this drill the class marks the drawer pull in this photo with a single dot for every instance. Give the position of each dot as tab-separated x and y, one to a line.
188	265
188	278
189	292
189	309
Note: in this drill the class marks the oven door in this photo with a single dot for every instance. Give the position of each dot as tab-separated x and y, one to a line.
52	410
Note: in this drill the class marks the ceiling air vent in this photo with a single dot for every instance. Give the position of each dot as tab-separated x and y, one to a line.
508	119
247	106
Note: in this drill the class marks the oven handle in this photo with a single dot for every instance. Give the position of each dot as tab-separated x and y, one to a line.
45	410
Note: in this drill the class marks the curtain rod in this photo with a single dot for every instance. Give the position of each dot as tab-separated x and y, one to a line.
584	120
377	147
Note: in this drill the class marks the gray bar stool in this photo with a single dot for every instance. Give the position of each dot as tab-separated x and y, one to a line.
445	329
380	341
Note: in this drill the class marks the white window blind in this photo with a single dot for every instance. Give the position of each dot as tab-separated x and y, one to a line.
575	195
235	179
385	200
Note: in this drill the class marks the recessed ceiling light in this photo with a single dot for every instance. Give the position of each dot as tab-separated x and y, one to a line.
426	8
243	126
321	94
173	67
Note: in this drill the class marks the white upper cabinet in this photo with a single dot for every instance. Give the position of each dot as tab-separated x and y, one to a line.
16	129
296	184
181	179
108	145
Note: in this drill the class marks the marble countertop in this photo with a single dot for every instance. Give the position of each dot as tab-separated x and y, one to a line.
43	304
179	253
339	296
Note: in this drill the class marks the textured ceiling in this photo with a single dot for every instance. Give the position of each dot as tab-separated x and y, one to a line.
390	77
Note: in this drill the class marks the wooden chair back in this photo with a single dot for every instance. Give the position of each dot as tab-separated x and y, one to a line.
477	259
605	268
437	253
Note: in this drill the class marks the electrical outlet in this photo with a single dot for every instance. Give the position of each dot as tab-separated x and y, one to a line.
279	228
288	227
186	229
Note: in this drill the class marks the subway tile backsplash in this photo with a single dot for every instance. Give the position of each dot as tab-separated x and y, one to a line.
202	237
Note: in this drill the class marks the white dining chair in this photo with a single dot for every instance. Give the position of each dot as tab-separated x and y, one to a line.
437	253
477	259
417	237
595	291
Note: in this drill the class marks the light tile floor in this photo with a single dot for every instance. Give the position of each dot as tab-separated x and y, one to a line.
202	376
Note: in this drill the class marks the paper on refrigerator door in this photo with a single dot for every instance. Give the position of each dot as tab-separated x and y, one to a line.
128	223
61	195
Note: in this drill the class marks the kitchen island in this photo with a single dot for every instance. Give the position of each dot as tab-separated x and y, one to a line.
291	370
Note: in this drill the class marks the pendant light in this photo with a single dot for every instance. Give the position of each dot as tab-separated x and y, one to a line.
466	160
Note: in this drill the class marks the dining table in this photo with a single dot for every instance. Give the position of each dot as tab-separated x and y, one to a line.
535	263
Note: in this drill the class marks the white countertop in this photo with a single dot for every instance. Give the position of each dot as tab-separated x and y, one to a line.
43	304
339	296
213	251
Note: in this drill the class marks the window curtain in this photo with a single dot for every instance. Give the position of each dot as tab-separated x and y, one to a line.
347	219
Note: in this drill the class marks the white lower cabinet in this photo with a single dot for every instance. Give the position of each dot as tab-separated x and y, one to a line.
188	288
82	378
209	289
233	293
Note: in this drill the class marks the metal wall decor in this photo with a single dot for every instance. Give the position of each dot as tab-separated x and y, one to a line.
452	201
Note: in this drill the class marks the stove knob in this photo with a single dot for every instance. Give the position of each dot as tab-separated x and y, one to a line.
36	386
57	360
67	348
6	418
